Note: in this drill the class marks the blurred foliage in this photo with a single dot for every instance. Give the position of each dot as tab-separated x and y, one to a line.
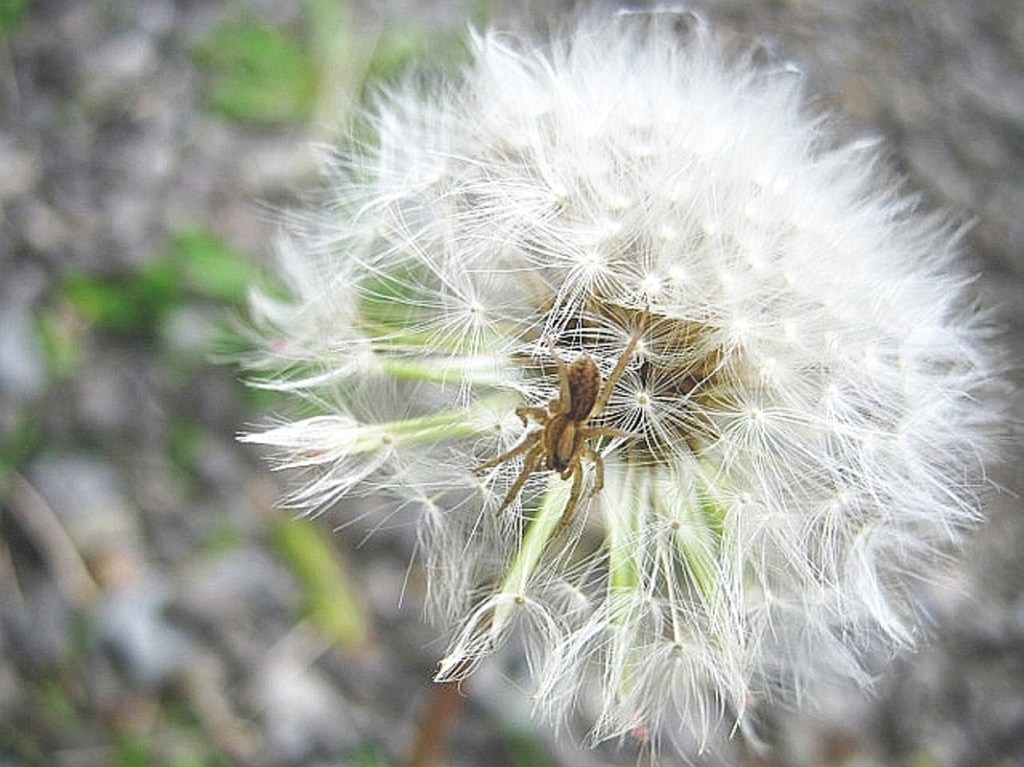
133	751
263	75
922	757
130	304
258	73
186	442
370	755
192	760
47	710
58	708
210	268
61	332
331	604
196	264
12	13
21	438
525	748
404	43
223	538
179	744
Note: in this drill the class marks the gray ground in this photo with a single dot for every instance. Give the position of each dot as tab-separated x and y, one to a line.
131	634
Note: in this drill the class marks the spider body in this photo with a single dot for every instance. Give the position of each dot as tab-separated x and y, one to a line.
565	431
563	440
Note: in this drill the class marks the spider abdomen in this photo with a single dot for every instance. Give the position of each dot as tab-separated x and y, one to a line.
562	443
584	385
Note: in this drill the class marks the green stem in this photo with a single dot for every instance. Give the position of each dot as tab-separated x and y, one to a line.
535	541
478	371
446	424
622	520
698	542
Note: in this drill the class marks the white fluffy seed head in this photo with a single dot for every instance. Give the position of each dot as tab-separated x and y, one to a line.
798	421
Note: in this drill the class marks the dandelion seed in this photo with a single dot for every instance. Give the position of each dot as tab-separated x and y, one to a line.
790	430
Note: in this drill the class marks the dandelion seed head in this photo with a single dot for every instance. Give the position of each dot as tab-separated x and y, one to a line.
795	432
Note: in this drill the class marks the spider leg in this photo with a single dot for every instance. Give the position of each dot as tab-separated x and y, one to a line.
564	394
619	369
570	506
529	441
538	414
530	463
609	431
577	486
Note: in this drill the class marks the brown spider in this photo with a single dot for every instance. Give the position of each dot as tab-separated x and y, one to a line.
562	443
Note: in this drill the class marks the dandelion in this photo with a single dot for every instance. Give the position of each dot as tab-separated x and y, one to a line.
676	386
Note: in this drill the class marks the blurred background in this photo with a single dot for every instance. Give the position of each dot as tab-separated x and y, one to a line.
155	609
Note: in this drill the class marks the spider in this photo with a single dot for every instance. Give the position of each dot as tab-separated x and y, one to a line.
563	441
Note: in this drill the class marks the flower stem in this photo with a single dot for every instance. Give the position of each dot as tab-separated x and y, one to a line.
479	370
448	424
538	535
436	722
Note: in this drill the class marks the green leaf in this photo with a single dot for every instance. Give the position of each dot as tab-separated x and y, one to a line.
21	439
403	44
61	335
131	304
526	748
258	74
224	538
12	13
369	755
211	268
137	303
330	602
133	751
107	304
185	444
59	707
